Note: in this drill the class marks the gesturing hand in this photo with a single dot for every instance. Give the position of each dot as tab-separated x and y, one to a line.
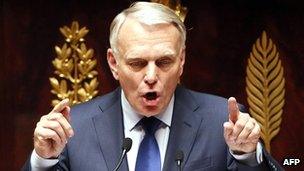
241	132
53	130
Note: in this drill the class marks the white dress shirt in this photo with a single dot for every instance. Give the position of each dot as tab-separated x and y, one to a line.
131	118
136	133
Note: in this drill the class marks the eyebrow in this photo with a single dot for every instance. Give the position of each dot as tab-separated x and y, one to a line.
169	53
133	59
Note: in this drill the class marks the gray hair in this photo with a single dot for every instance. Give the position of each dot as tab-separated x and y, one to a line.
147	13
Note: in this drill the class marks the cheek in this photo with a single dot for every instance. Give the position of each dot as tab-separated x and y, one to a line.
129	79
172	80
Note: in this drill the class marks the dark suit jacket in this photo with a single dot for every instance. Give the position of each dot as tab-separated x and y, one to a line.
197	130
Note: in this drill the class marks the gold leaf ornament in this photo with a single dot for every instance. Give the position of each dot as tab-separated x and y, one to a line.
175	5
75	67
265	87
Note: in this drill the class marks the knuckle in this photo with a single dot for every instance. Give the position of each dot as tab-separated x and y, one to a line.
257	132
36	132
257	128
255	138
255	135
253	120
69	128
59	115
53	135
44	117
241	136
248	128
239	125
245	115
56	116
56	125
38	124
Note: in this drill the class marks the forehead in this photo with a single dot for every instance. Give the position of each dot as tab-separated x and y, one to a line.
136	36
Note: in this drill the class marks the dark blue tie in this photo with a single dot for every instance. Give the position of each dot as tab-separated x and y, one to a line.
148	156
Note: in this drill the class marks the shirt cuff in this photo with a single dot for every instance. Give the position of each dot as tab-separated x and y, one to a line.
250	159
40	164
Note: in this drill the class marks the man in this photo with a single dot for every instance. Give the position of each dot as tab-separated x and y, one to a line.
147	57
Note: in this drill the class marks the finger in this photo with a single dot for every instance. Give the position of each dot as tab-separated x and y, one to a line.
66	113
44	117
45	133
61	105
55	126
245	132
228	128
255	133
233	109
64	123
239	125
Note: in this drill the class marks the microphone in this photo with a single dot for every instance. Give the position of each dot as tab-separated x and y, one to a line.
179	157
126	146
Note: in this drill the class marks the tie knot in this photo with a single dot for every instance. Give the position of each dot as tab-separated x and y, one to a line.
150	124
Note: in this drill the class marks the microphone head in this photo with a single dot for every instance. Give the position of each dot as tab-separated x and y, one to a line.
127	144
179	155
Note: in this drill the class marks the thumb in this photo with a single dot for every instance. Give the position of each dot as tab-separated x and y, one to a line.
233	109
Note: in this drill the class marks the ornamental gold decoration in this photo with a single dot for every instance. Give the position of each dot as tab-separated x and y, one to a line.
74	67
265	88
175	5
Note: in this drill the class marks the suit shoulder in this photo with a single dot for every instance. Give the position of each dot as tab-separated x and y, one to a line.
206	98
211	100
95	106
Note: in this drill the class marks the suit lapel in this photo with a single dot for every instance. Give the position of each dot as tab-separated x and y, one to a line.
184	127
109	130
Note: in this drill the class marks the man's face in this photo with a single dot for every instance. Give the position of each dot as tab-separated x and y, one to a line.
149	64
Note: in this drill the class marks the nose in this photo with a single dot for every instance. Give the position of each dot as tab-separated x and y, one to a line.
151	74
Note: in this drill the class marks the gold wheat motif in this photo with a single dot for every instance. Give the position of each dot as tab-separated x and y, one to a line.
75	67
175	5
265	88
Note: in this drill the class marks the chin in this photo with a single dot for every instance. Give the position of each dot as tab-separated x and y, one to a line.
150	112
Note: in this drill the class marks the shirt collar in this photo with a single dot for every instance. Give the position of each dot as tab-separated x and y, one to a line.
131	117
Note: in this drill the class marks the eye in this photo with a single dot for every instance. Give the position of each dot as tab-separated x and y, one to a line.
137	64
164	62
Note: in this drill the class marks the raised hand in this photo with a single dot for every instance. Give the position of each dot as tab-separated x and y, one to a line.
53	131
241	132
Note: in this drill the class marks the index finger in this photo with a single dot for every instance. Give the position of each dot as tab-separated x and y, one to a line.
61	105
233	109
63	108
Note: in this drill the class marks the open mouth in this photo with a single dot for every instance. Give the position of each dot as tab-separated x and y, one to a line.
151	95
151	99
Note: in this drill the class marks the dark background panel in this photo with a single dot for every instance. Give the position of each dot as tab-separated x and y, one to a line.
220	38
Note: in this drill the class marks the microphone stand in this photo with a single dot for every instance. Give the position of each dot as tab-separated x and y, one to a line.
126	146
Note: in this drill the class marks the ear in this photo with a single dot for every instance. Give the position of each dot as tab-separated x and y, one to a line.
112	63
182	62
